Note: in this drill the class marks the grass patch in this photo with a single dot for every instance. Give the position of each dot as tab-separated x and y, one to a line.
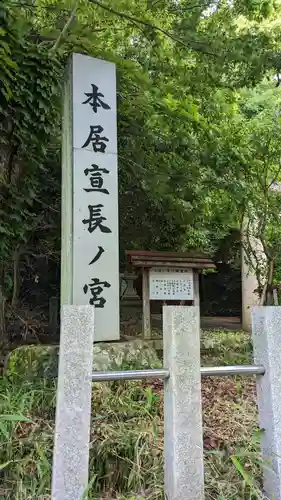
126	457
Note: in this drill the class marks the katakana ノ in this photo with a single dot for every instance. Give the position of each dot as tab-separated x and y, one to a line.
96	179
98	143
95	219
100	252
94	99
96	288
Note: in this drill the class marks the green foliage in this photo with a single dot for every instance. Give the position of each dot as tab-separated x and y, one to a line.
38	361
126	455
226	348
260	201
192	144
176	107
7	65
29	125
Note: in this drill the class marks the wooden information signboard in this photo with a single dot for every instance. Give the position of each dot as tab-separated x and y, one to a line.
168	277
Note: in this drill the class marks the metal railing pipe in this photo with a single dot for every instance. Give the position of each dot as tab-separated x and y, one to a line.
219	371
160	373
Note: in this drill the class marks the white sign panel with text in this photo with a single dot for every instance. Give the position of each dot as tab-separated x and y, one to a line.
170	283
95	193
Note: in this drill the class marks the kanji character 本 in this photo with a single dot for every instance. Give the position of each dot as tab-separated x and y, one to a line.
95	219
100	252
94	99
96	179
98	142
96	288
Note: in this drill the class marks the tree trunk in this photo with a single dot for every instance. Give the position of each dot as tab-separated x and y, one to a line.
3	338
16	276
269	294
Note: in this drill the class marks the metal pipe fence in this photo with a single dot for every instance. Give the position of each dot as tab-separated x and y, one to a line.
130	375
220	371
163	374
183	437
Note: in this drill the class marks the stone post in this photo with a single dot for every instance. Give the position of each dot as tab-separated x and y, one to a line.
250	298
266	331
72	434
249	282
183	440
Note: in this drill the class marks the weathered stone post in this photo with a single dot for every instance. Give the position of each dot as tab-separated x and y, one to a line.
73	412
266	331
183	440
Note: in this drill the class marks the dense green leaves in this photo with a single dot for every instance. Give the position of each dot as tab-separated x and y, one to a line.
29	134
198	125
7	65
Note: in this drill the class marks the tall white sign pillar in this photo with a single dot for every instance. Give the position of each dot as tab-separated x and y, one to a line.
90	257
